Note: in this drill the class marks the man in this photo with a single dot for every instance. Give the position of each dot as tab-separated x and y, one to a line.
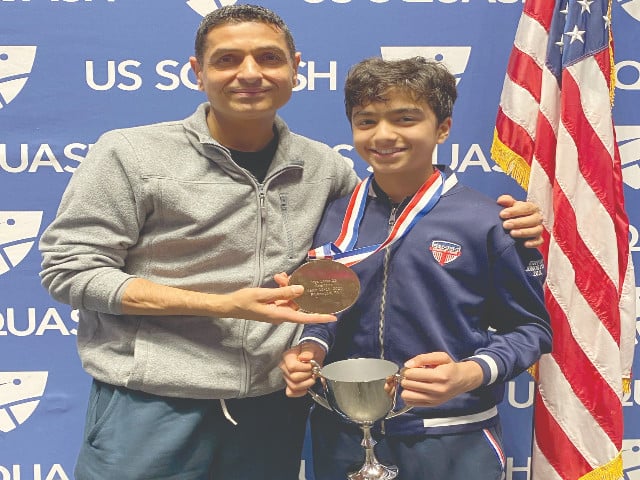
162	241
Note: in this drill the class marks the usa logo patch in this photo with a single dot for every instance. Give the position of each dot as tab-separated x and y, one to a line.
445	252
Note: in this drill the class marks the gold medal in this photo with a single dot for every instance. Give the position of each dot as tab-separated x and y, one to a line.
329	286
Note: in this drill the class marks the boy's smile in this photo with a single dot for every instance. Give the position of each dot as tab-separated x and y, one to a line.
397	137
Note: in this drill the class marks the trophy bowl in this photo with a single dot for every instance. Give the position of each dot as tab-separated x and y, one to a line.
355	390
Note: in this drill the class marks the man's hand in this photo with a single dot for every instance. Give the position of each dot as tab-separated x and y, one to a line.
431	379
522	219
297	369
272	305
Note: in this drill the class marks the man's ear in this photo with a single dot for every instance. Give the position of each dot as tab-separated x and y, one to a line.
197	69
296	62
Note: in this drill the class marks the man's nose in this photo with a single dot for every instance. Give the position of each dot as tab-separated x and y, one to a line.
249	69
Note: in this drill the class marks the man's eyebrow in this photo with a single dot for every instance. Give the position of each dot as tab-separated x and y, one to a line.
263	48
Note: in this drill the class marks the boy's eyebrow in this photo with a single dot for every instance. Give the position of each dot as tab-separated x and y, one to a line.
398	111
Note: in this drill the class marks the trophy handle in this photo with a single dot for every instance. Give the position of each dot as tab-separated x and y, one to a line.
397	378
318	398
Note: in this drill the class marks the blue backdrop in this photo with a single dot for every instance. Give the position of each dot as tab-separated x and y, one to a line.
71	69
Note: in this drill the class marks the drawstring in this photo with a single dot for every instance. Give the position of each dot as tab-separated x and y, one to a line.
226	413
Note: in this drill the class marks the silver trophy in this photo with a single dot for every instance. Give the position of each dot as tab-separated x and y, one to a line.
355	389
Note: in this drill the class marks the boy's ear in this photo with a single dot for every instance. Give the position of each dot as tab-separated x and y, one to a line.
443	130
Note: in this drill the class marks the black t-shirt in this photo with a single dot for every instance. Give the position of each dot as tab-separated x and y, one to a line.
257	163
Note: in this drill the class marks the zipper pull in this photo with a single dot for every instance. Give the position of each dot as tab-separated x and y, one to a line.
392	217
261	196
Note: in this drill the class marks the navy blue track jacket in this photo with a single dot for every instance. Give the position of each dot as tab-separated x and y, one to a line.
458	283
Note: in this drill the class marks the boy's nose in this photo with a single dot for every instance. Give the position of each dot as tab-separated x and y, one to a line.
384	132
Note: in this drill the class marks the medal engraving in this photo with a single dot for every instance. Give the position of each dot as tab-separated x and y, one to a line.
329	286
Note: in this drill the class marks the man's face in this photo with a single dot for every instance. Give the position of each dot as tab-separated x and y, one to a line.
247	72
398	136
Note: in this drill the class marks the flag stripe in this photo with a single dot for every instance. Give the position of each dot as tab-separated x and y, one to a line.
524	71
591	280
621	221
588	135
541	11
561	455
608	188
542	470
521	108
585	325
587	383
550	100
569	420
544	148
506	126
531	39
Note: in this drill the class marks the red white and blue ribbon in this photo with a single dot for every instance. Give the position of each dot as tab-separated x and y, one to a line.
342	249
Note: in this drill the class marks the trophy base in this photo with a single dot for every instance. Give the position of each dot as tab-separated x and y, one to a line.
375	471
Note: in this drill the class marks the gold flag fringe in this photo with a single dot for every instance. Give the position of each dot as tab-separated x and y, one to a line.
626	385
612	80
609	471
511	163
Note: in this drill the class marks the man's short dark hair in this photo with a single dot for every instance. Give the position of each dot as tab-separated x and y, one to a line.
233	14
423	80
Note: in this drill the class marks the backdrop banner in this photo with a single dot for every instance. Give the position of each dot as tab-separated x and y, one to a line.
72	69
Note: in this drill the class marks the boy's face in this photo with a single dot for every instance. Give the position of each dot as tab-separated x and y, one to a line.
398	136
247	71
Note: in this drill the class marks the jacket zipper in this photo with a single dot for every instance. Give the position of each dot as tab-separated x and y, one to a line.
262	205
261	188
262	195
383	299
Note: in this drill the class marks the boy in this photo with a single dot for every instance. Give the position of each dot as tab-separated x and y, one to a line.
434	284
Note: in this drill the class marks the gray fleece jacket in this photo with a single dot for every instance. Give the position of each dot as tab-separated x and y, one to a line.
167	203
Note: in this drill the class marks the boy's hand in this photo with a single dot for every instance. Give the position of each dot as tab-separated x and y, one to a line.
431	379
281	279
297	369
522	219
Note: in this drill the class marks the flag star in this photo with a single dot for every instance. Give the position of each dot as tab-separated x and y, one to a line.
565	11
607	21
575	34
560	45
586	5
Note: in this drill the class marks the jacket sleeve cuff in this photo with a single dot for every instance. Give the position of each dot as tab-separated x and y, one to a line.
489	368
103	293
316	340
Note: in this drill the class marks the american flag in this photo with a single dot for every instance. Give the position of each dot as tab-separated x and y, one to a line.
554	134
